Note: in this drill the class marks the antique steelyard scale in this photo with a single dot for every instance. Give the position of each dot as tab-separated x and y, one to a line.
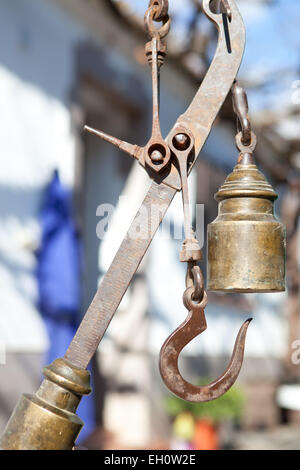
246	244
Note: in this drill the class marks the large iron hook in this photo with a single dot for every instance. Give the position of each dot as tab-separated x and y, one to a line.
193	326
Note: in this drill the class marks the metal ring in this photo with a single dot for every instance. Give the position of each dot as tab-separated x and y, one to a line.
194	279
246	148
151	29
198	284
190	304
161	8
246	130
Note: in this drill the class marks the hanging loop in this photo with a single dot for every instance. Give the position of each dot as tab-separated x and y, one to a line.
161	8
157	12
249	148
241	108
194	278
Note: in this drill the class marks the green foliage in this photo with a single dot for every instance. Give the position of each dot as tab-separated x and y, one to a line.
228	407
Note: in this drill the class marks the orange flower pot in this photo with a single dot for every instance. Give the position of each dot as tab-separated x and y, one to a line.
206	436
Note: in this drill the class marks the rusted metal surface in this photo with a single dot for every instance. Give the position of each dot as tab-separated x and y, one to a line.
160	9
151	17
194	278
198	119
182	146
116	280
203	110
192	327
195	301
156	153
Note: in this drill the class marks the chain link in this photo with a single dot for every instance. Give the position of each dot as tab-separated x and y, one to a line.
245	139
194	280
157	12
161	8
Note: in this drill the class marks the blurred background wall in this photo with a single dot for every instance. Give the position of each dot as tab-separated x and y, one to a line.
67	63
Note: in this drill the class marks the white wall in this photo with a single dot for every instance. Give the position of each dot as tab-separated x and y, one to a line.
36	72
37	43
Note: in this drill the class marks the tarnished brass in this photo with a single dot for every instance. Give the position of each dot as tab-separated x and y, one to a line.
246	243
47	420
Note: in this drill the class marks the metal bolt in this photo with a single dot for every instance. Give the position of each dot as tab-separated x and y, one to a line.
156	156
181	141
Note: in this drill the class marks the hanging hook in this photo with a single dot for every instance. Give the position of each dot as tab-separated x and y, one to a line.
193	326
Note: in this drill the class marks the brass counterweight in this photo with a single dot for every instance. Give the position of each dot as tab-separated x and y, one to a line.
47	419
246	243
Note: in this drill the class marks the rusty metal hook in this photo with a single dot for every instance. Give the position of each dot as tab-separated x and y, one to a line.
194	325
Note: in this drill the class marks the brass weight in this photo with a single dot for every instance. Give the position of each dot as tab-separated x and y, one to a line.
47	420
246	243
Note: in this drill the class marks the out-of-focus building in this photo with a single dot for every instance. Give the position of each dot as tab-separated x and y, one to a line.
63	64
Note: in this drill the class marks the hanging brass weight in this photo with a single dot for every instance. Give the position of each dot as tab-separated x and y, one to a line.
47	419
246	243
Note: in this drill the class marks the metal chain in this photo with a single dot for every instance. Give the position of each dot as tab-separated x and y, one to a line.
157	12
161	8
194	280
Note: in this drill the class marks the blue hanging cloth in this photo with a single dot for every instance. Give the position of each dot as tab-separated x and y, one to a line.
59	281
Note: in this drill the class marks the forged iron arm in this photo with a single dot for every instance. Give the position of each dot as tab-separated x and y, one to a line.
198	119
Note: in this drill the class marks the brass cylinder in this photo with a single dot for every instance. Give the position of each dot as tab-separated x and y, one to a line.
246	243
47	420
